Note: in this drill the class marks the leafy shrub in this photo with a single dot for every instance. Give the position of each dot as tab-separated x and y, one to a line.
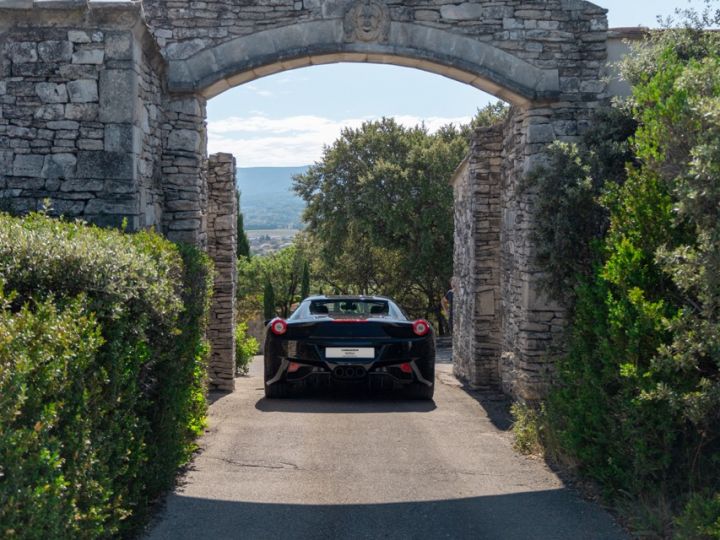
245	348
526	429
638	405
107	355
700	519
571	219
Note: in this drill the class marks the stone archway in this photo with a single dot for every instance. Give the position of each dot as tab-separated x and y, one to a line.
124	85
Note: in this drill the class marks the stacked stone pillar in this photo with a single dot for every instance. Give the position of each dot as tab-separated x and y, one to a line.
222	247
477	333
184	170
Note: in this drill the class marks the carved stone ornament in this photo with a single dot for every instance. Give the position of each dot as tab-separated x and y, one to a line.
367	20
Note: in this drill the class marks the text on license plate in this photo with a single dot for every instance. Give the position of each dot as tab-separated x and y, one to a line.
349	352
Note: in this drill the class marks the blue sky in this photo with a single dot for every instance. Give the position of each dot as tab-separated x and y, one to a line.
285	119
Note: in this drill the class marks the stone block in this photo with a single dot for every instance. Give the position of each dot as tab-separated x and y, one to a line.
184	139
88	56
82	185
59	165
81	111
119	46
6	161
23	52
189	106
116	207
83	91
105	165
16	4
428	15
28	165
78	36
540	133
63	124
459	12
118	91
592	87
51	92
55	51
120	138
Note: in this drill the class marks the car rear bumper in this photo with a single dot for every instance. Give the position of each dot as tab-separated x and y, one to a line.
295	370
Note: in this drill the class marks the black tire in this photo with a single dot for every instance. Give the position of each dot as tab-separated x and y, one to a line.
421	391
426	366
279	389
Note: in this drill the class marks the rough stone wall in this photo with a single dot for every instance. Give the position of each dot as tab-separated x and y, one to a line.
518	50
78	117
543	33
486	171
103	112
222	248
463	338
530	320
477	334
184	169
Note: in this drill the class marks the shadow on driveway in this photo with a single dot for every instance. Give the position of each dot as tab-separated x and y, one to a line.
327	402
552	514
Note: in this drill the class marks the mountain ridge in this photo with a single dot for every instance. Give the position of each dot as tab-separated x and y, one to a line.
266	197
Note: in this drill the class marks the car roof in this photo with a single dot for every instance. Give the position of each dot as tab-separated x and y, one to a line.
350	297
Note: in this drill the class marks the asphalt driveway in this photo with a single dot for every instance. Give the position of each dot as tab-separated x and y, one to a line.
350	467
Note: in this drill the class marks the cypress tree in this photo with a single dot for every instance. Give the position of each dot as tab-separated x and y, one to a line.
243	244
305	282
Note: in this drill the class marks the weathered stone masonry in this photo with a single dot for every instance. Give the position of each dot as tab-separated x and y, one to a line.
103	113
222	248
80	95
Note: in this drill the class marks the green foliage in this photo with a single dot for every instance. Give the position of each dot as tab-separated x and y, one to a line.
700	519
526	429
268	301
571	219
380	211
102	366
638	405
245	348
305	281
271	284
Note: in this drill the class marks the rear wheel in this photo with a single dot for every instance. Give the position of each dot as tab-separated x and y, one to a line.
421	391
279	389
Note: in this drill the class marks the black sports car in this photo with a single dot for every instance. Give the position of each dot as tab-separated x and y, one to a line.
349	340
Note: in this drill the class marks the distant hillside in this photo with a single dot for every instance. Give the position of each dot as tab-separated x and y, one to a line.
266	197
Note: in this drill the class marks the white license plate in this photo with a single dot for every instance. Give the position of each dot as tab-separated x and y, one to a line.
349	352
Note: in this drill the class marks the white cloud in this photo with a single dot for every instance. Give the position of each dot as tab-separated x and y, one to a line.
259	91
260	141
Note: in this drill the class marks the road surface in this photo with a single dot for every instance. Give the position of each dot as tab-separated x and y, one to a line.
352	467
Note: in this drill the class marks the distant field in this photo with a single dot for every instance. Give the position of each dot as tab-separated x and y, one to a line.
272	233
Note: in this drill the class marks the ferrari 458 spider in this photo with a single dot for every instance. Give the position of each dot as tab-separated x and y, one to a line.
345	340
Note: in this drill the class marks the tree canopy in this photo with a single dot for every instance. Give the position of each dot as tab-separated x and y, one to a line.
380	210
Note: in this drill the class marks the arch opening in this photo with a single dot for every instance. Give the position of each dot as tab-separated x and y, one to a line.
479	64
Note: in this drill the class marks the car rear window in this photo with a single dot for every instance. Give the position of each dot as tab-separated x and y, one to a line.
350	308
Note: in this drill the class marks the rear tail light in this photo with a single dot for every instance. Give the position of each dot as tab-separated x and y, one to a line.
406	367
421	327
278	327
293	367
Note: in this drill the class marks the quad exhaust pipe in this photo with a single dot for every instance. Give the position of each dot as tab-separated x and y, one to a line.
349	372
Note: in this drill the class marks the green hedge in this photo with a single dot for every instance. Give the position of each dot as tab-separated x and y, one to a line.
102	374
637	406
